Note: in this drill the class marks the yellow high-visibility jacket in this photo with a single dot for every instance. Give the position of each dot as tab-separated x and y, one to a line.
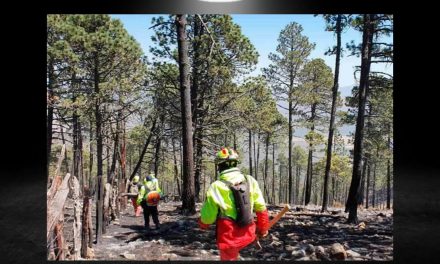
219	196
147	187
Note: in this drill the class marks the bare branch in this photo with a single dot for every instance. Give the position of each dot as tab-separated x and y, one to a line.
212	38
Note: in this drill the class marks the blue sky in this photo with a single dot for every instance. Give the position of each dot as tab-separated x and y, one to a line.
263	31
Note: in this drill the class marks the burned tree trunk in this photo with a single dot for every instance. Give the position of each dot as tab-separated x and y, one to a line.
354	192
85	223
188	195
76	220
289	172
76	137
144	150
332	113
157	148
373	196
195	98
250	152
367	191
106	213
333	179
91	152
273	173
280	187
257	160
176	169
122	201
99	149
50	109
310	159
266	159
308	182
99	208
362	187
298	175
115	157
199	158
389	171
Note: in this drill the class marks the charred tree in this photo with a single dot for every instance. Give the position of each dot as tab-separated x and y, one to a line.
188	194
354	192
332	113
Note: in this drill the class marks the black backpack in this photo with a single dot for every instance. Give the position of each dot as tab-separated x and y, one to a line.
242	201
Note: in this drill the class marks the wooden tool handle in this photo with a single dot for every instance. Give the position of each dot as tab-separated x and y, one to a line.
271	223
279	215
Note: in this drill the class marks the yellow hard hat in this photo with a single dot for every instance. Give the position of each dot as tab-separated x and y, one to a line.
136	179
226	154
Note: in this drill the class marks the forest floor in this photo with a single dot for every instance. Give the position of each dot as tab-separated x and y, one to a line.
302	234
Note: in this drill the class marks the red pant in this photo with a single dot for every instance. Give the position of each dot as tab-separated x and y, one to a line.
229	254
137	208
232	238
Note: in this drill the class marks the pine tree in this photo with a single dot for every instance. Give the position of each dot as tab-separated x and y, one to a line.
335	23
188	195
293	49
354	192
315	94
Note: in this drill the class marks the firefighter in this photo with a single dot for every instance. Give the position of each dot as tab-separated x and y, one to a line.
234	231
148	198
135	186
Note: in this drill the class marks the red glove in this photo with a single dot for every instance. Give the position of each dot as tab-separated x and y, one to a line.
202	225
262	223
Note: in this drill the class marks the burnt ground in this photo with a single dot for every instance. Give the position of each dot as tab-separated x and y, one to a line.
302	234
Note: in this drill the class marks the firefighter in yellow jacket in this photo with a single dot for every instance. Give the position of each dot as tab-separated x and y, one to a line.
231	202
148	198
135	186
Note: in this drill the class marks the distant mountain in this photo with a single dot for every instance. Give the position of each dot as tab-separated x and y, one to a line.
344	130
